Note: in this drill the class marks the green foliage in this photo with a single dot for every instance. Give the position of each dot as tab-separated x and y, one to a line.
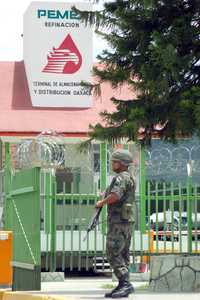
155	48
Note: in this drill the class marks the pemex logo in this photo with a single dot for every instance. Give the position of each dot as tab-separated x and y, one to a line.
64	60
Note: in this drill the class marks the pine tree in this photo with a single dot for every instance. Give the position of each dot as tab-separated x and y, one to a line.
155	49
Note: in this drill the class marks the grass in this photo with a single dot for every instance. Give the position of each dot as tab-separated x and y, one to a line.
142	287
108	286
112	286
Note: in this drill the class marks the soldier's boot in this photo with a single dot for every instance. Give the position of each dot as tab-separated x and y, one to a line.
125	289
109	294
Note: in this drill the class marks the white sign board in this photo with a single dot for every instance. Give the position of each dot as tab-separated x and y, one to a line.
57	54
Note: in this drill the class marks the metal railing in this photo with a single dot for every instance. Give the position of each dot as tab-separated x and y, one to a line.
171	225
176	217
2	197
168	222
65	218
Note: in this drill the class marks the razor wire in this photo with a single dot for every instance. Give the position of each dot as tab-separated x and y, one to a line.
47	150
177	160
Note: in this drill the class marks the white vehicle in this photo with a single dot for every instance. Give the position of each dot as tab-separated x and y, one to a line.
161	217
167	218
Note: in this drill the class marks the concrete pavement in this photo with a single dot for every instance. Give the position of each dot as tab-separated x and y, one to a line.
95	288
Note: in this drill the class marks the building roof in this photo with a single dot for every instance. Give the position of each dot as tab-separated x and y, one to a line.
18	116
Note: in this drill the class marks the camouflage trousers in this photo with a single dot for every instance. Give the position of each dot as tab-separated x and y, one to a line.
117	247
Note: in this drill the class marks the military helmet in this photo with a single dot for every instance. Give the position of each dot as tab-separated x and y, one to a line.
122	155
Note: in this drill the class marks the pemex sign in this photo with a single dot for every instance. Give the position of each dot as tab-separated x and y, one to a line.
57	54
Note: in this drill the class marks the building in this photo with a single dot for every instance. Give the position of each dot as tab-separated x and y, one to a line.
20	120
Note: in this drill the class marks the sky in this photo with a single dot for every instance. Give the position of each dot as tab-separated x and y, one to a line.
11	29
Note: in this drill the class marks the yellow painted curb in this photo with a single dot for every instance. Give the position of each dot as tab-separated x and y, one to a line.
1	294
25	296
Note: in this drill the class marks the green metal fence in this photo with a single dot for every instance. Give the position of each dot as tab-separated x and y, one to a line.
177	227
65	217
167	210
62	241
64	223
170	196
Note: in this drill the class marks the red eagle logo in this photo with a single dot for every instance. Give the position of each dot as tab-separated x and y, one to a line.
64	60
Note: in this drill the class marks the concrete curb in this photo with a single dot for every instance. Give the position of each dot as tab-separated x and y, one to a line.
52	276
24	296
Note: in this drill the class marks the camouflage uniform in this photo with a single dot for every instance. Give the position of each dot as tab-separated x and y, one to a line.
120	223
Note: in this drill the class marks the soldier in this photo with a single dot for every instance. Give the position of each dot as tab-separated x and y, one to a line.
119	197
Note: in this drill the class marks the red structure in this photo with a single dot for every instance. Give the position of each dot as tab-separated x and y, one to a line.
19	118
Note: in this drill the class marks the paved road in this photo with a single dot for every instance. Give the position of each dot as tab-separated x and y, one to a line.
95	288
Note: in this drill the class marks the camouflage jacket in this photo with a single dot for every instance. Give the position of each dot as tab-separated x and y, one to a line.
122	211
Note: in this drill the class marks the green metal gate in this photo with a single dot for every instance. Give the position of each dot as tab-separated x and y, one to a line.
22	216
65	216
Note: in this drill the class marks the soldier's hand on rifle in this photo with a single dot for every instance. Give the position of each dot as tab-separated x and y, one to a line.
110	199
102	195
99	204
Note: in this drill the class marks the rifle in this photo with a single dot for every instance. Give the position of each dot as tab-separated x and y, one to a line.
94	221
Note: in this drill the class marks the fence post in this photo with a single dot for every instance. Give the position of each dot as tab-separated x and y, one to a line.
142	190
103	179
49	221
189	212
7	217
53	223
